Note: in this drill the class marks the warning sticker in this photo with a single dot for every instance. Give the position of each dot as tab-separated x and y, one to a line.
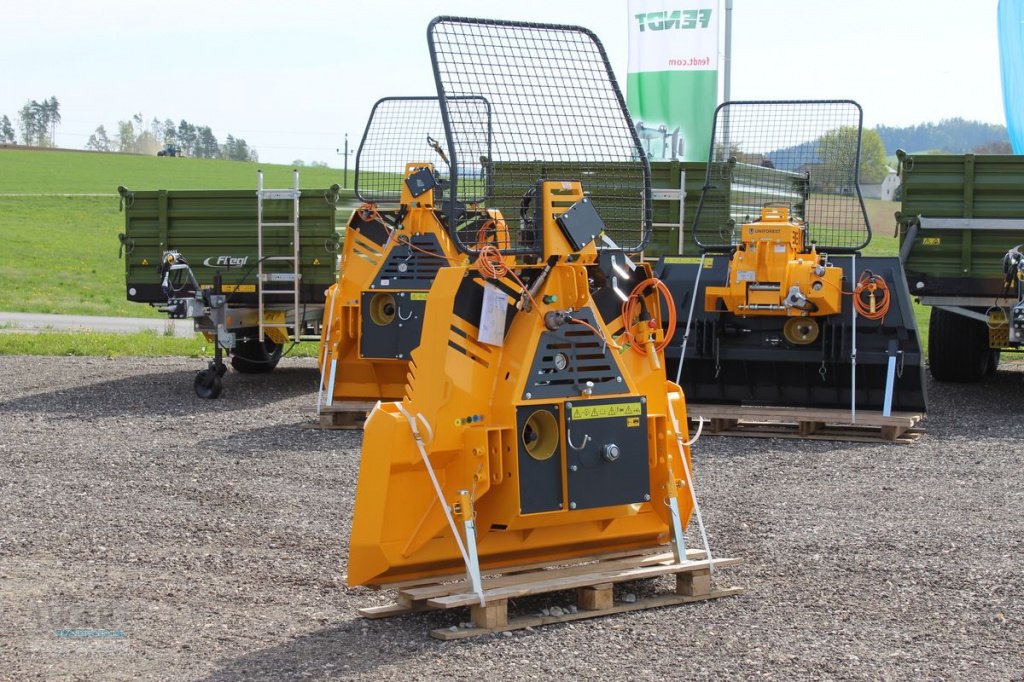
688	260
932	241
232	288
606	411
632	421
418	296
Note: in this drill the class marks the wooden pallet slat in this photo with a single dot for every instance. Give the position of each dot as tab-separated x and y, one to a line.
344	414
806	423
593	578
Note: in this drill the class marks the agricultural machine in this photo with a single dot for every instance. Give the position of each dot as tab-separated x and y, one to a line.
395	244
250	268
783	310
537	423
960	233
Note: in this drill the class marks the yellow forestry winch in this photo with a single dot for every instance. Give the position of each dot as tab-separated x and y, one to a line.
374	313
530	430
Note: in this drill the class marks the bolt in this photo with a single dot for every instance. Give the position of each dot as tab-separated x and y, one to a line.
573	468
643	399
528	396
568	405
647	497
618	379
572	505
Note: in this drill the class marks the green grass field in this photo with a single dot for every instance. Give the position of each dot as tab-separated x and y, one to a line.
59	251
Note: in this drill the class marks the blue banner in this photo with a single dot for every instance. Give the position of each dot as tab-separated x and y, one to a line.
1011	60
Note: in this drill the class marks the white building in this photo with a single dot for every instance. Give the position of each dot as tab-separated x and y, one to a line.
886	191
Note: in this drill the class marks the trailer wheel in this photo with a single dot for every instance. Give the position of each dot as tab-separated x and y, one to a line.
993	361
958	348
207	384
252	356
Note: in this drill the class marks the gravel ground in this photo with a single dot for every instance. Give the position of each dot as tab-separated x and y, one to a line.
211	535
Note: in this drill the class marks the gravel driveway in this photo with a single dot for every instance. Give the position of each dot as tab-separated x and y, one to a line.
147	534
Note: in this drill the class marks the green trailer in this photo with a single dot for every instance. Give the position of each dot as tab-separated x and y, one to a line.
961	219
250	267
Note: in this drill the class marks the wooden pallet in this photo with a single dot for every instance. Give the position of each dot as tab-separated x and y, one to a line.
345	414
592	577
805	423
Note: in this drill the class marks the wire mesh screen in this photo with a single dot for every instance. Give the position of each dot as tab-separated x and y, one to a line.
803	155
404	130
557	114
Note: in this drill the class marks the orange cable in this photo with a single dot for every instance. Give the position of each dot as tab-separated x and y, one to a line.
871	283
629	311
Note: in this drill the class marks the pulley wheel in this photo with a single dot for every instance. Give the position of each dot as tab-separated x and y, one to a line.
382	309
801	330
540	435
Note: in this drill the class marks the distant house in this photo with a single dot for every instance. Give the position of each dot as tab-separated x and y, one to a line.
886	190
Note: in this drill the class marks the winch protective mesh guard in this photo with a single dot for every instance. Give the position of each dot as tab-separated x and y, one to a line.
557	113
398	132
800	154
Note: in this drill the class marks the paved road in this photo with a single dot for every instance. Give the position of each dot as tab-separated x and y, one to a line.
36	322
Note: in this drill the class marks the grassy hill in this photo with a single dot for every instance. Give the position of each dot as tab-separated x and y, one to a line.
60	248
69	172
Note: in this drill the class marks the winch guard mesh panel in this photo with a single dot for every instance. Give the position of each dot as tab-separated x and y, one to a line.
803	155
556	113
402	130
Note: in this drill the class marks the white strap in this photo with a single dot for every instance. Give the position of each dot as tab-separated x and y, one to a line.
470	568
689	480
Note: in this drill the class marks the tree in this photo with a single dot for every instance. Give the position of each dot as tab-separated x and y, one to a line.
837	154
51	107
7	131
30	124
170	132
98	141
125	136
237	149
206	146
187	136
873	168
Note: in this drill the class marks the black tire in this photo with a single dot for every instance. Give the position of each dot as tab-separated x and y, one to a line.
958	348
207	384
252	356
993	361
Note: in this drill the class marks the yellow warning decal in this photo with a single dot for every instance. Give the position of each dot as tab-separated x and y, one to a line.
932	241
606	411
316	261
632	421
145	261
418	296
688	260
231	288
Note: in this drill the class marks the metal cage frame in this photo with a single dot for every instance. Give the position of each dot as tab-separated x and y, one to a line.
712	167
403	156
452	206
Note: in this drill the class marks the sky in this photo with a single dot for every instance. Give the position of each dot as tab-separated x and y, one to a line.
294	78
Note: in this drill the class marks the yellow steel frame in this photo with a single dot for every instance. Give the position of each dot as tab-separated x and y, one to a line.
456	426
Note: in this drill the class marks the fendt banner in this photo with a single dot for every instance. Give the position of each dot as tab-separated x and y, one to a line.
672	80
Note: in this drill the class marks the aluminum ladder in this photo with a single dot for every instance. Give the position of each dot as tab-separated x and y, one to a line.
264	229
